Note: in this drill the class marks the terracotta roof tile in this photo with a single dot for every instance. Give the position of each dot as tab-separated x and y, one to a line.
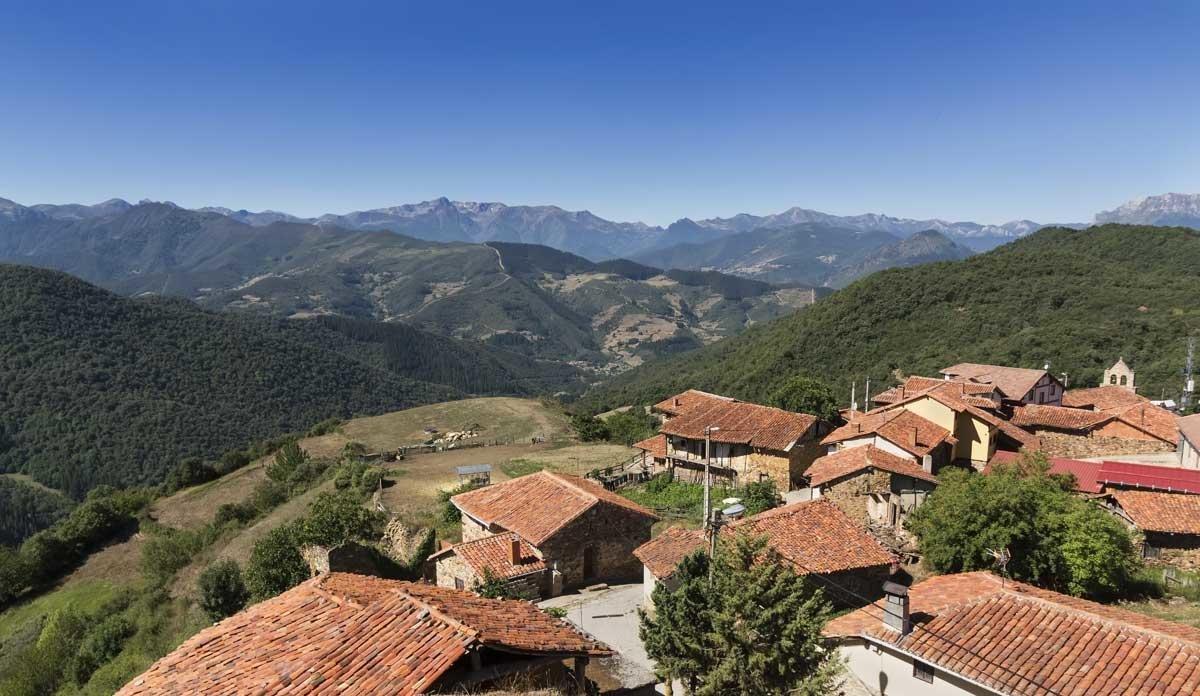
1019	639
1189	427
1059	417
340	634
815	537
688	401
494	554
1101	398
662	554
1150	419
655	446
855	459
743	423
901	427
981	393
539	505
1156	511
950	394
1014	382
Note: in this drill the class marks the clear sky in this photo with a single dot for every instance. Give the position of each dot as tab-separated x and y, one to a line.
648	111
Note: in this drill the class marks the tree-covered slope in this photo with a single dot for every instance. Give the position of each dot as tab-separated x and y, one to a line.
1077	299
96	388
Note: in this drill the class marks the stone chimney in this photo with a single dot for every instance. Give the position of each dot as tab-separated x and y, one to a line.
514	551
912	437
895	608
676	401
927	463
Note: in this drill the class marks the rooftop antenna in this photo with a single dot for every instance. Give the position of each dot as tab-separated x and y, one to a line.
1002	557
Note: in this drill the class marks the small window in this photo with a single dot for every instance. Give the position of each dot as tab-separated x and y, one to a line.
923	671
459	584
1124	380
1112	379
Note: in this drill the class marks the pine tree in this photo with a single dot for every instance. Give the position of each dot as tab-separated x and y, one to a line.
676	635
765	626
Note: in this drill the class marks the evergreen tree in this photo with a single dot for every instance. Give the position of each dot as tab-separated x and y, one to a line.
676	634
765	626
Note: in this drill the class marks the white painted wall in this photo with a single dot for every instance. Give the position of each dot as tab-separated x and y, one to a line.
1189	454
881	443
889	672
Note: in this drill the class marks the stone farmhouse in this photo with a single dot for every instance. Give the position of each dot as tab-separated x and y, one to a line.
976	633
1100	421
545	531
748	442
1016	384
871	485
816	538
354	634
898	431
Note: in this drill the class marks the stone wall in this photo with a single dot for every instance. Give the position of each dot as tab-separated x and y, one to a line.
1179	550
530	586
472	530
612	532
1058	444
850	494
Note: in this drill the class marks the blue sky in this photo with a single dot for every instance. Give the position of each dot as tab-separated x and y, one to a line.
635	111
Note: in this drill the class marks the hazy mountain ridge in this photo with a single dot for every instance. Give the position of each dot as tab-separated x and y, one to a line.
603	316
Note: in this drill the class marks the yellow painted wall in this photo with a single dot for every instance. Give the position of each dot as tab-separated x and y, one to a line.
934	412
975	439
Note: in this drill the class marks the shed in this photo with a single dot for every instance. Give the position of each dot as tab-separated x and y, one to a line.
478	474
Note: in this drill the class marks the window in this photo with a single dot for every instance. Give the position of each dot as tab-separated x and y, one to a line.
1124	380
923	671
459	584
1112	379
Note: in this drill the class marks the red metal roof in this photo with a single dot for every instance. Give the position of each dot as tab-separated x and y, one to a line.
1085	472
1159	478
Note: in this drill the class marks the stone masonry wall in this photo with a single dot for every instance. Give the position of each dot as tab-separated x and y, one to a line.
1057	444
471	530
613	532
850	494
855	588
451	567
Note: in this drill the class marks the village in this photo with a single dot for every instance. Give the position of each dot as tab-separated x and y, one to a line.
554	584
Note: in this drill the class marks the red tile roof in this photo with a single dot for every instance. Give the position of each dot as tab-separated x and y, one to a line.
903	428
738	422
1019	639
1058	417
852	460
1155	511
979	392
1013	382
1150	419
1101	398
815	537
341	633
1086	473
951	394
1162	478
494	554
688	401
655	446
662	554
539	505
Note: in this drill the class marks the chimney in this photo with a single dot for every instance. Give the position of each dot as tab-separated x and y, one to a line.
677	401
913	439
895	608
927	463
858	427
514	551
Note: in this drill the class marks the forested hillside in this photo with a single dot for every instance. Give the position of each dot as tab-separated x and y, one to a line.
26	508
1077	299
96	388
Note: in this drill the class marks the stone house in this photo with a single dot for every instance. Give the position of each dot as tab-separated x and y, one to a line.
582	533
1018	385
816	538
352	634
899	432
748	442
505	557
978	432
1169	523
1126	428
871	485
980	634
1189	441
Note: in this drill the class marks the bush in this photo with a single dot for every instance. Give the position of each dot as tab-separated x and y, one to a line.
189	472
241	513
100	644
448	513
801	394
222	590
334	518
631	426
329	425
168	550
275	564
760	496
267	496
286	461
589	428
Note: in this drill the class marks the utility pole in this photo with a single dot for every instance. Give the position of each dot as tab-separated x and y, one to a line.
853	400
1189	384
708	431
867	396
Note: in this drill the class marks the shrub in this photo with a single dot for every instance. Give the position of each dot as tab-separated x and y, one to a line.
167	550
334	518
589	428
189	472
99	645
760	496
267	496
240	513
448	513
222	591
286	461
275	564
801	394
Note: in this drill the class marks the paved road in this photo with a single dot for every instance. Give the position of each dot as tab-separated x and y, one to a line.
611	615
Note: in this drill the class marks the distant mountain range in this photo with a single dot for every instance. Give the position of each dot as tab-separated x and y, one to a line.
535	300
1177	209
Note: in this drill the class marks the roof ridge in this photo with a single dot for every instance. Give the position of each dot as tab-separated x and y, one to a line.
560	477
490	537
